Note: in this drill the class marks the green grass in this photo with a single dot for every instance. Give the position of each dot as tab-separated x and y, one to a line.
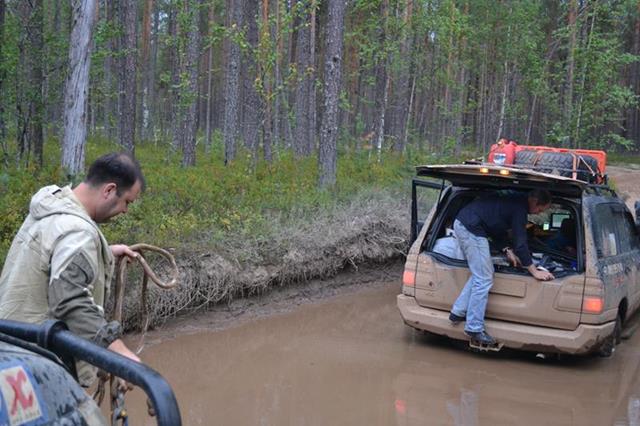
200	207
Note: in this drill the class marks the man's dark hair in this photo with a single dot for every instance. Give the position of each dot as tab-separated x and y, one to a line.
542	195
120	168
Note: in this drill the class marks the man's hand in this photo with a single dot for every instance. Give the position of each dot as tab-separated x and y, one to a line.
540	275
123	250
513	259
119	347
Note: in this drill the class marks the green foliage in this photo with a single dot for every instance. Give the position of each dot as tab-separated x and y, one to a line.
203	206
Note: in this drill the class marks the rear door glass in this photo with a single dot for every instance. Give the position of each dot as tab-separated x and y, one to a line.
424	194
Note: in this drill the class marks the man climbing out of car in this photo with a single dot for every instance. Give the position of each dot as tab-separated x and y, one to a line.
477	221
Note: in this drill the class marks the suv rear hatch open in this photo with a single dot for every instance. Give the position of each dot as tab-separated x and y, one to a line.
516	296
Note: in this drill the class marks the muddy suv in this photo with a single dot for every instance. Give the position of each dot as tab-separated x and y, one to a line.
587	239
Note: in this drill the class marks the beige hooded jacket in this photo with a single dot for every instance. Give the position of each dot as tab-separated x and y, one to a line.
59	266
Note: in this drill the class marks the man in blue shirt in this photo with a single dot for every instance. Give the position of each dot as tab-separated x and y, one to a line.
476	222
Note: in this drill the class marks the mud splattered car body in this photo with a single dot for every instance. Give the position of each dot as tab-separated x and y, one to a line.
597	285
36	390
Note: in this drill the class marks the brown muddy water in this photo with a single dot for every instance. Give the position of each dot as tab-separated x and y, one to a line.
350	360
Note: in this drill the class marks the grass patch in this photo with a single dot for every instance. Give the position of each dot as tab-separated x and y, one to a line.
240	229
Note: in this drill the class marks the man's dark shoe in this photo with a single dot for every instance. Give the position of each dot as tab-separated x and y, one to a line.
481	338
456	319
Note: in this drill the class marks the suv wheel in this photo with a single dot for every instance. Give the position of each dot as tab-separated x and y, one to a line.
609	345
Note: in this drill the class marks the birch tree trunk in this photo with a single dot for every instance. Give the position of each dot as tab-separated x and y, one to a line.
76	88
327	157
503	103
128	75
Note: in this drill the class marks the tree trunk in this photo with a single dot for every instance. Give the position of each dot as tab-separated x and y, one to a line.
503	103
154	109
3	128
29	101
304	66
128	75
327	158
576	133
208	124
633	114
382	83
145	47
277	76
568	98
403	92
253	105
35	134
267	122
191	93
232	87
109	104
77	85
175	66
313	125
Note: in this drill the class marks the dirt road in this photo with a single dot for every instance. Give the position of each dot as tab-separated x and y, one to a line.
336	352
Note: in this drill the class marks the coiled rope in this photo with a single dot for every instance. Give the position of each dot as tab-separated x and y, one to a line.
118	390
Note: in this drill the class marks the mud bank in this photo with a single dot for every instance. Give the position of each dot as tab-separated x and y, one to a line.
373	228
370	230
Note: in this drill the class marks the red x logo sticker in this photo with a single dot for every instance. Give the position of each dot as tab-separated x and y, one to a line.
16	382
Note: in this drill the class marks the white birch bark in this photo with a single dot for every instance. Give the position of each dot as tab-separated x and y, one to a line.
77	86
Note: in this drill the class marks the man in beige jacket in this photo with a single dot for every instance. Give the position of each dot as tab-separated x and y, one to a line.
60	265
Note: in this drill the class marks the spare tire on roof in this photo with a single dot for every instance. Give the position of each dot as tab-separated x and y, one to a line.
560	163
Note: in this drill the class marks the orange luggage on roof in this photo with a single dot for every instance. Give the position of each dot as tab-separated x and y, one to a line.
503	152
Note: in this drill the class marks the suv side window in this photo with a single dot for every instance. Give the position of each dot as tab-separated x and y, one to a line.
614	231
605	231
628	233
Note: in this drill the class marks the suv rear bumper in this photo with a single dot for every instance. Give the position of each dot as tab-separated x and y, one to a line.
584	339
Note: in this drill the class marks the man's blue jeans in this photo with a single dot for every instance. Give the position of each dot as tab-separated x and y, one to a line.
472	301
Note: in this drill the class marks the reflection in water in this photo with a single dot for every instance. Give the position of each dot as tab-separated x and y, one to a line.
633	411
351	361
465	411
632	414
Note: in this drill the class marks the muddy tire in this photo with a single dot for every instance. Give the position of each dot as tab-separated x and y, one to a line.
609	345
526	157
560	163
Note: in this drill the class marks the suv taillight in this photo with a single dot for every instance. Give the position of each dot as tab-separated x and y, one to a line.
593	305
593	299
409	283
409	278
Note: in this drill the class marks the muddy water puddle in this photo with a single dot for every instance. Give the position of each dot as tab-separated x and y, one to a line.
351	361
